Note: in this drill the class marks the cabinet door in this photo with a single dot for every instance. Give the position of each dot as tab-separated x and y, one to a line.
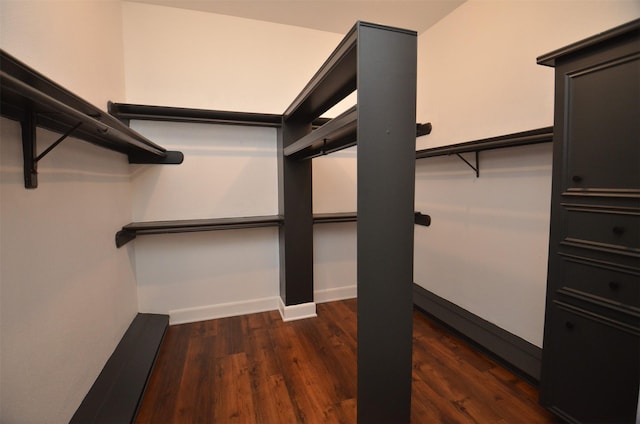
595	371
603	128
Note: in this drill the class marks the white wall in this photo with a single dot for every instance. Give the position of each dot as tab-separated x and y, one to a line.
486	249
76	43
193	59
228	171
67	294
334	245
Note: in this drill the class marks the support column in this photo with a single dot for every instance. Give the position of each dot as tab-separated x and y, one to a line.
296	234
386	180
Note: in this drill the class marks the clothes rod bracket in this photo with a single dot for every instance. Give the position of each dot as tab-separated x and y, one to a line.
421	219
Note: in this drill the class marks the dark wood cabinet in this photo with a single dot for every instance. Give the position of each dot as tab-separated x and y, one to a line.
591	350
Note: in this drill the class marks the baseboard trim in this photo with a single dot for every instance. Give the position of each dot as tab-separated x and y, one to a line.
332	295
295	312
222	310
510	350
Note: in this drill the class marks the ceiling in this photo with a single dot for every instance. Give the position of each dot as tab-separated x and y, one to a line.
326	15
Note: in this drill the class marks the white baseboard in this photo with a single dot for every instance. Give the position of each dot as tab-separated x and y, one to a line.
340	293
294	312
288	313
222	310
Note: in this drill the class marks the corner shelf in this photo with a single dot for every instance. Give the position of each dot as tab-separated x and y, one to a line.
328	135
36	101
540	135
127	111
131	231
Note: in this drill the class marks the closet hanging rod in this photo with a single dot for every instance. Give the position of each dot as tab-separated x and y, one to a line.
337	134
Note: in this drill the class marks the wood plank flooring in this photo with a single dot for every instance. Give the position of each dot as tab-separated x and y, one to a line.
258	369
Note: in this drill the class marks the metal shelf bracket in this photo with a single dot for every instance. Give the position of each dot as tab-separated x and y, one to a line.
475	168
29	148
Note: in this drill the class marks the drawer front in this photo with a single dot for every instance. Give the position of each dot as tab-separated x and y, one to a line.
602	279
611	228
595	371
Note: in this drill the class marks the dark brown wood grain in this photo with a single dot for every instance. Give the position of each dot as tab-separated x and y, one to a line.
258	369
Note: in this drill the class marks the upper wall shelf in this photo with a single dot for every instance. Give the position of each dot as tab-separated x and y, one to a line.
127	111
340	133
36	101
540	135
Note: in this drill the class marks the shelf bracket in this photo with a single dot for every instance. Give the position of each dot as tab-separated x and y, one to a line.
28	126
29	147
475	168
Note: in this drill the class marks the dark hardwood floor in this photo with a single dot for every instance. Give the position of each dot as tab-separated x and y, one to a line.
258	369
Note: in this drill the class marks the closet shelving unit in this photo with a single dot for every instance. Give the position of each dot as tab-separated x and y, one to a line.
540	135
341	130
380	63
34	100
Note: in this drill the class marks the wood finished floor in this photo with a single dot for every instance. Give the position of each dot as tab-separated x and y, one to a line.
258	369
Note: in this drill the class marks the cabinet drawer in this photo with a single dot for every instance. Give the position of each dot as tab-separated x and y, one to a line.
613	228
601	279
594	373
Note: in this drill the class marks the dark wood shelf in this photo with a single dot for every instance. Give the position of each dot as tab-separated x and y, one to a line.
127	111
36	101
328	135
131	231
540	135
335	80
116	395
